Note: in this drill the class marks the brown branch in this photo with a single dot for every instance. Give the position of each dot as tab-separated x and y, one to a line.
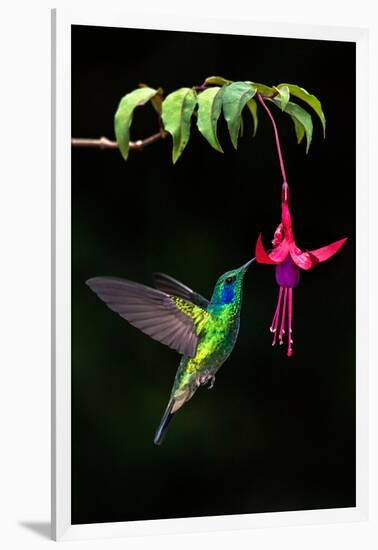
105	143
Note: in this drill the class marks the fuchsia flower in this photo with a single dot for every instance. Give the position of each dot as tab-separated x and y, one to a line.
289	260
287	257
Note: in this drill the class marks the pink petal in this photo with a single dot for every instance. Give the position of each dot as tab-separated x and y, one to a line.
280	252
326	252
262	256
304	260
278	235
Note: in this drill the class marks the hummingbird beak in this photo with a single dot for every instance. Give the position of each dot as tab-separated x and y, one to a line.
246	266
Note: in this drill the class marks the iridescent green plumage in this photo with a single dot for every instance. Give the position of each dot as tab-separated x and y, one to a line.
203	332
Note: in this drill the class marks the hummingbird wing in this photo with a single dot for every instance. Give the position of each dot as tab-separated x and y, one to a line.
168	284
171	320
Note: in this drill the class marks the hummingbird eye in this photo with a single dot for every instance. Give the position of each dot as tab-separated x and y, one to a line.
229	280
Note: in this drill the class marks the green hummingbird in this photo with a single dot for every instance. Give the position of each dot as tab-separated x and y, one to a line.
203	332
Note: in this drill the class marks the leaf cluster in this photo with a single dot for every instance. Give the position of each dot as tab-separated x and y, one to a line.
207	102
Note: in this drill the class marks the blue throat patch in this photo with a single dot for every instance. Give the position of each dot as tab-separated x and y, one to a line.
227	296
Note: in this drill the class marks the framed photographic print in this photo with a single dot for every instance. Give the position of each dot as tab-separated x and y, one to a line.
210	274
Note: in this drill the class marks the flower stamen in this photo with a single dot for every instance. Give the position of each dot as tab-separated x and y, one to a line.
283	316
274	325
290	315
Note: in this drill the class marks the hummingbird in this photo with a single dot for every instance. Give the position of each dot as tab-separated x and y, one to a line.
203	332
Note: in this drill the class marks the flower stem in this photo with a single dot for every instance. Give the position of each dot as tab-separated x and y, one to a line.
277	138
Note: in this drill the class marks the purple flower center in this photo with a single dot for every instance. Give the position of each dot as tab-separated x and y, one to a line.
287	273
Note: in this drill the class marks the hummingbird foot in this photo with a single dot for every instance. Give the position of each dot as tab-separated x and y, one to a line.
207	379
212	382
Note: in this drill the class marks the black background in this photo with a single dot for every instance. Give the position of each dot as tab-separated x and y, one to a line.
275	433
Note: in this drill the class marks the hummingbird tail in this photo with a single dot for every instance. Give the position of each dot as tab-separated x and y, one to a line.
164	423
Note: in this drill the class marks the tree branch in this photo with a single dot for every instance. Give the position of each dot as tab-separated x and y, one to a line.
105	143
140	144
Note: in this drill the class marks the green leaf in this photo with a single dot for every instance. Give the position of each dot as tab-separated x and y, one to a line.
124	116
261	88
209	109
177	111
301	116
299	130
284	94
156	100
310	99
218	80
252	106
235	96
241	132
